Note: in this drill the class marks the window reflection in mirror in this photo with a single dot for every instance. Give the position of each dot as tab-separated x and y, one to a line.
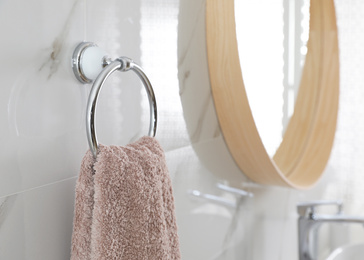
272	37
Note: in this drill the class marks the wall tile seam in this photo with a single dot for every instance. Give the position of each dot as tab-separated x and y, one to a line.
38	187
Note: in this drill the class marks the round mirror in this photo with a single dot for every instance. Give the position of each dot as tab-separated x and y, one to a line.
306	145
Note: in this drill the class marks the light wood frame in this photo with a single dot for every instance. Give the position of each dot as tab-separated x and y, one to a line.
303	154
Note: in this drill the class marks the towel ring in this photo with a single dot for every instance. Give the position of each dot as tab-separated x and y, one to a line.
90	62
121	64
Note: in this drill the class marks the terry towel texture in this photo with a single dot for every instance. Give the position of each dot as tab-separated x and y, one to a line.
124	207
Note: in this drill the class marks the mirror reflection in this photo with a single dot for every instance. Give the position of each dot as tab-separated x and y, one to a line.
274	47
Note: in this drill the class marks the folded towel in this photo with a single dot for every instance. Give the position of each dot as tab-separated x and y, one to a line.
124	206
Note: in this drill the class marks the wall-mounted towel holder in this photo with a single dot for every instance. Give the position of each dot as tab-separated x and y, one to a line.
91	64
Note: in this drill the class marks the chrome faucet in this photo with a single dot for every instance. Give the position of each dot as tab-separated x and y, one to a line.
309	221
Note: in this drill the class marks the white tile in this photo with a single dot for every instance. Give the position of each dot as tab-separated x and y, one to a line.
37	224
41	102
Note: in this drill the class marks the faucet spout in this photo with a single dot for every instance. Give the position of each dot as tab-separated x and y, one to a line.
310	221
337	219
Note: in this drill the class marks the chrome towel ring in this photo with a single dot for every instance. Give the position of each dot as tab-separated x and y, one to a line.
119	64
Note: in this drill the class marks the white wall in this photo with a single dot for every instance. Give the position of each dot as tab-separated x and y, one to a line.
43	139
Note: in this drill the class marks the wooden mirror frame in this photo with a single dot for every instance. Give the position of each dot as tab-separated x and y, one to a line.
303	154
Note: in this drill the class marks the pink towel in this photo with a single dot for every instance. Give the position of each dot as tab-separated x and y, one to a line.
124	205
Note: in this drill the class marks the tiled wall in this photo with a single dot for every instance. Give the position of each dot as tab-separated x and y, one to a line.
42	130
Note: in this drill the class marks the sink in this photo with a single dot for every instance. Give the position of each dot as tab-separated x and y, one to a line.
351	251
